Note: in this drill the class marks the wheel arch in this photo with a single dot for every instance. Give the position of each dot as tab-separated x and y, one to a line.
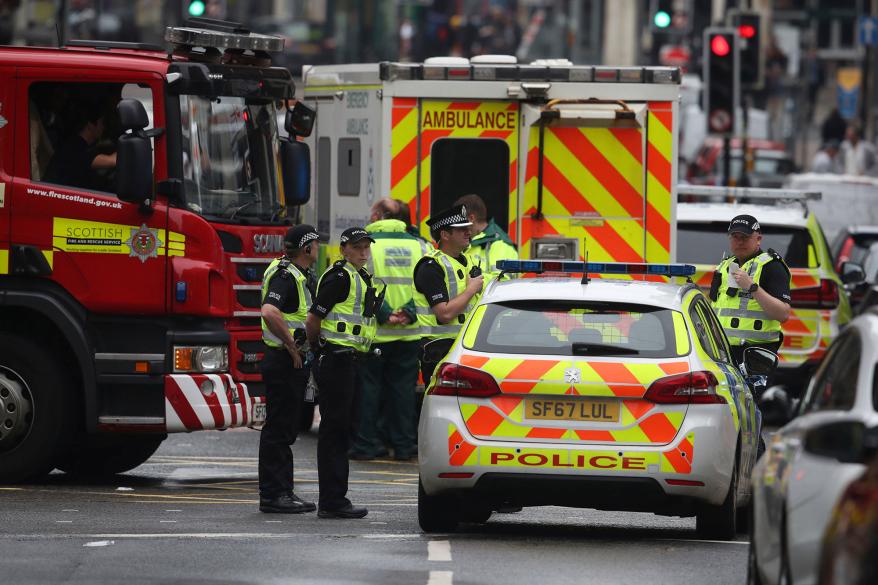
48	318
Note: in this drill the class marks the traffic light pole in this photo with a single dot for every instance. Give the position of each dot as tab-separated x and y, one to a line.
727	160
746	156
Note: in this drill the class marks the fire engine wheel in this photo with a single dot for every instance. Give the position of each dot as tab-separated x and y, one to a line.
102	455
436	513
34	409
719	522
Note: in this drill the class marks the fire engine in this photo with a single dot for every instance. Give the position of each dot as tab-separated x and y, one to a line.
129	303
569	159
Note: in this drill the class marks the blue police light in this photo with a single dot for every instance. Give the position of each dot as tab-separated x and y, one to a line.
541	266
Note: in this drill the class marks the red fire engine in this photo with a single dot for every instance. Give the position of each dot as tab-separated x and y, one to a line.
142	195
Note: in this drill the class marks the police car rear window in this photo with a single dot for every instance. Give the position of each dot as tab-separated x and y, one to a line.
577	329
705	243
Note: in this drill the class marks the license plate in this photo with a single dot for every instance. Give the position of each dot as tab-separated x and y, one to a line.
259	412
582	410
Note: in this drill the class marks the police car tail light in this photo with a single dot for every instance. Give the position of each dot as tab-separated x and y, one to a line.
824	296
455	380
688	388
207	359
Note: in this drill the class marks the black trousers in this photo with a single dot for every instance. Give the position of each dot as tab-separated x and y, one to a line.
338	384
285	392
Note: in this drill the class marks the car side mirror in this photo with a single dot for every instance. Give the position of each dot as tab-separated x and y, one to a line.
300	120
435	350
295	159
133	154
759	361
852	273
848	441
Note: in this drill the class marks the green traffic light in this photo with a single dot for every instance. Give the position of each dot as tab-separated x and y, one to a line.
196	8
662	19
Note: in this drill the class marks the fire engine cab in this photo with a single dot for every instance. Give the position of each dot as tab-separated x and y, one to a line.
142	195
569	159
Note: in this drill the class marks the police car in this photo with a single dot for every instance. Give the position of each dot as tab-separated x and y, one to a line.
615	393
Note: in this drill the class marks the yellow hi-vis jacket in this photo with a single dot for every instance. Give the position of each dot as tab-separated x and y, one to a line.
345	324
455	281
488	248
741	316
293	320
393	259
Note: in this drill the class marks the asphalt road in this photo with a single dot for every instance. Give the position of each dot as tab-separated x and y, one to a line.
189	515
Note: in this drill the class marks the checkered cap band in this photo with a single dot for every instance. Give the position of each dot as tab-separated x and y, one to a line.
455	216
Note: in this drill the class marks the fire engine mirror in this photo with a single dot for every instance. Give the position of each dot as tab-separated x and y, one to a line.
296	169
133	154
300	120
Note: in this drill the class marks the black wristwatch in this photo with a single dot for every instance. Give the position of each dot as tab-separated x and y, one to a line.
753	288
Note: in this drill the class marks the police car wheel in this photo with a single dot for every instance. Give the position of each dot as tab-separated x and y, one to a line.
436	513
719	522
35	411
476	512
101	455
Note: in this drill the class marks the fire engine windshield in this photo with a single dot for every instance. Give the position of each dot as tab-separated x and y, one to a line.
230	158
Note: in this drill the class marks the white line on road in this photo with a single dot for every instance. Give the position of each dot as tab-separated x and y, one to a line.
440	578
70	510
439	550
207	535
64	521
100	543
173	510
743	542
168	521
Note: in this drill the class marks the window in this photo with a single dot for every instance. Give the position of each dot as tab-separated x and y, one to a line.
835	383
460	166
73	130
349	167
581	329
715	330
702	331
705	243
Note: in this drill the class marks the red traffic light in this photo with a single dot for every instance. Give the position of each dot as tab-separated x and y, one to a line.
747	31
719	46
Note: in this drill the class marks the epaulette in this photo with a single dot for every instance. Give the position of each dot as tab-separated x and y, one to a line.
284	263
776	256
339	263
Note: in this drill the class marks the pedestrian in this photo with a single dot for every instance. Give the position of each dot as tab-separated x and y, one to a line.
490	243
341	323
286	298
857	155
446	283
827	160
834	127
750	291
390	378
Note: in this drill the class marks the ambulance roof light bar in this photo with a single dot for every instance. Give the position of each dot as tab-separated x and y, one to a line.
461	69
223	39
611	268
703	192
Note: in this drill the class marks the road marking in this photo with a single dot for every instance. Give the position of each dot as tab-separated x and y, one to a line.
100	543
7	489
440	578
64	521
208	536
273	521
744	542
70	510
168	521
173	510
439	550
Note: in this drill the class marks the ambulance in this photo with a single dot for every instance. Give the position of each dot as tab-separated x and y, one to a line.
572	161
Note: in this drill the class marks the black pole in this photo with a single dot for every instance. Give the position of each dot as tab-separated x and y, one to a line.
727	160
746	155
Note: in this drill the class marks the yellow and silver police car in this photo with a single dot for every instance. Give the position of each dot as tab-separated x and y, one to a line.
615	393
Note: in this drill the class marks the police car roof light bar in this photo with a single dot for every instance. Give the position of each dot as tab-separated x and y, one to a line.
617	268
699	191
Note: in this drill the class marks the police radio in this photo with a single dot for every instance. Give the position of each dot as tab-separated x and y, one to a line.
373	300
476	270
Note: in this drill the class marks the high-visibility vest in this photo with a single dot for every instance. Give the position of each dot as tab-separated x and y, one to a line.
488	254
393	259
294	320
741	315
454	274
345	324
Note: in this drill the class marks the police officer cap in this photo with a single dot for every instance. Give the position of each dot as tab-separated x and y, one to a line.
300	236
354	235
450	218
744	224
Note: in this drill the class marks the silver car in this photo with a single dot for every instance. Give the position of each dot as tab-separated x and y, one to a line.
615	394
794	491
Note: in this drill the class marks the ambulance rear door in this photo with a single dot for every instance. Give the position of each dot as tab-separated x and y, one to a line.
597	179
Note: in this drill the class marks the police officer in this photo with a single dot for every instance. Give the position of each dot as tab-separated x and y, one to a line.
446	282
389	379
286	298
490	244
751	290
342	318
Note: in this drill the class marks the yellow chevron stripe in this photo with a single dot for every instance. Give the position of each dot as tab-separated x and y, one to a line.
404	132
660	137
618	156
4	261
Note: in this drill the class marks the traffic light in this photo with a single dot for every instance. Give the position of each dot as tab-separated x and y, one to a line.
661	14
721	74
749	27
196	7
